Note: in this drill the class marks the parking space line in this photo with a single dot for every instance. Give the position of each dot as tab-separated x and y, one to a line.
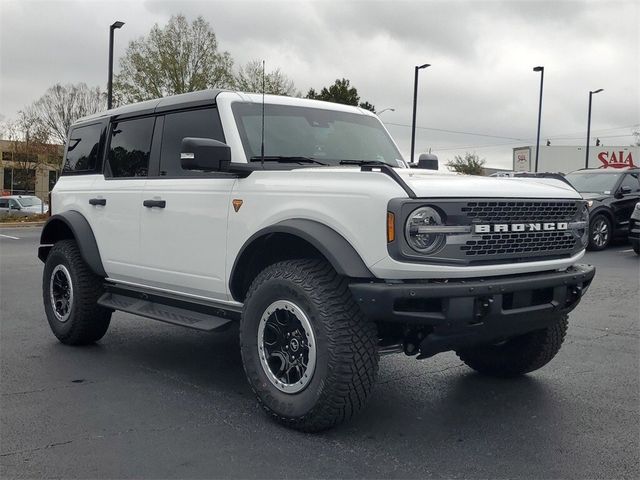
9	236
626	251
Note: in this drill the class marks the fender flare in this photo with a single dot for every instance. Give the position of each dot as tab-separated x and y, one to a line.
58	228
333	246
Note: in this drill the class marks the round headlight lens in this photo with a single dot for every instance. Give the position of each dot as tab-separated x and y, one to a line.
420	240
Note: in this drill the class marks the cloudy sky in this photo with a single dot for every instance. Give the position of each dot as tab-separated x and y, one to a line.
480	95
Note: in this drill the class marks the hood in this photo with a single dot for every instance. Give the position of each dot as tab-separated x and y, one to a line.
593	196
432	184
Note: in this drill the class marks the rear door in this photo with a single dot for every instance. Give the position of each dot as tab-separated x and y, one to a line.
117	197
184	227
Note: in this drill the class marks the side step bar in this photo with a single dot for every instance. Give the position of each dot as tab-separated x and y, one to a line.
177	311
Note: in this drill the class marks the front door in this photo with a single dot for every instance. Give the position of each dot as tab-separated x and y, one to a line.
183	226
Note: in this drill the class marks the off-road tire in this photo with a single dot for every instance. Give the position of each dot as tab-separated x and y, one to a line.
518	355
347	354
592	245
87	321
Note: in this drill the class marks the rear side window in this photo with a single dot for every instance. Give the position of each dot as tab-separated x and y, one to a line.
203	123
83	150
4	203
130	148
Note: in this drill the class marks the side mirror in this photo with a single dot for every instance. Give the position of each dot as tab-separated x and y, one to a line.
14	207
205	154
625	190
428	161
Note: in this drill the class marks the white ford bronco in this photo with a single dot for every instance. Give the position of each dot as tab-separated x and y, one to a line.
299	221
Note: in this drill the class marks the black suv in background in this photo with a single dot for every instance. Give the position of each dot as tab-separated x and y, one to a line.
612	195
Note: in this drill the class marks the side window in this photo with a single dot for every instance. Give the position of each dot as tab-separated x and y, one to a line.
204	123
130	147
83	149
13	204
631	180
4	203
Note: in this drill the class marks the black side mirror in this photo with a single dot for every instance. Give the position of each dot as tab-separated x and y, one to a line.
428	161
205	154
14	207
625	190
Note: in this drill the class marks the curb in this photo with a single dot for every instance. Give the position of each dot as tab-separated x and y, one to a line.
21	224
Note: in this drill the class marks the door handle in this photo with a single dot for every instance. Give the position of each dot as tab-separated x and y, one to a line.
98	201
154	203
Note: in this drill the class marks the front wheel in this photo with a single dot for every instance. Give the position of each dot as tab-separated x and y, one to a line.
599	232
70	293
518	355
309	354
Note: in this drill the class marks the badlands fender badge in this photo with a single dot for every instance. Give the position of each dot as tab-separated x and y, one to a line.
520	227
237	203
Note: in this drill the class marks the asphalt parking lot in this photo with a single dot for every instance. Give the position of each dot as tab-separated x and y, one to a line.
157	401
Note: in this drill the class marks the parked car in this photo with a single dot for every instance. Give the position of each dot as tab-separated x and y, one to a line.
301	223
611	195
634	229
22	205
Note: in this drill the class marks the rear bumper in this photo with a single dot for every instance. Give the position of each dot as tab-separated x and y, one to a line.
459	313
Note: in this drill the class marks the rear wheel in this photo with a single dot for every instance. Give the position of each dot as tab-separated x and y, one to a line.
70	294
518	355
310	356
599	232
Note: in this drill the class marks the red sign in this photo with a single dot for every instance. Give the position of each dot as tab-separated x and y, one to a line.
611	160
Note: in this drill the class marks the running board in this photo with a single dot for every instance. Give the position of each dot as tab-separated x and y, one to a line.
197	316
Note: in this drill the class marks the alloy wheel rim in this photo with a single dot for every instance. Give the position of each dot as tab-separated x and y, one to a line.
600	233
286	346
61	293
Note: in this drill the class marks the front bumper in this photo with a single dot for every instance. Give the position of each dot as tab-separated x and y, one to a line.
458	313
634	230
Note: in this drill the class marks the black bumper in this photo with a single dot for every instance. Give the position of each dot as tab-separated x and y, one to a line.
459	313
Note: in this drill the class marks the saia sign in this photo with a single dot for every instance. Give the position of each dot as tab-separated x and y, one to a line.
619	159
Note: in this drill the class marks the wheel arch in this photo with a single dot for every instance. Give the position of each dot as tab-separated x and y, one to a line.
294	238
72	225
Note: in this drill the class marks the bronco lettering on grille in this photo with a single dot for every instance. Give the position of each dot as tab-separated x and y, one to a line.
520	227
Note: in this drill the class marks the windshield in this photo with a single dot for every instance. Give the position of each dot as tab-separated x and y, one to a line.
29	201
326	136
593	182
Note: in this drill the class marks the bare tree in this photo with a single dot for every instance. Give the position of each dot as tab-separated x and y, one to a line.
470	164
249	79
61	105
180	57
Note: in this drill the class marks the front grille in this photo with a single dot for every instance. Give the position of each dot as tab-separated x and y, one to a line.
526	243
515	211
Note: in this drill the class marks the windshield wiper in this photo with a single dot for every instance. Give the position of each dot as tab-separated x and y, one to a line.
364	162
284	159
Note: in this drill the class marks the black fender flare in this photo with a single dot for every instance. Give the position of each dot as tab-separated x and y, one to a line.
333	246
72	224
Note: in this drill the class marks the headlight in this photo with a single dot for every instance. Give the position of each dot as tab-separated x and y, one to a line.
419	231
589	203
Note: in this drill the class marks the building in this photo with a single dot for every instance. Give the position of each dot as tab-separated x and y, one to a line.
29	169
566	158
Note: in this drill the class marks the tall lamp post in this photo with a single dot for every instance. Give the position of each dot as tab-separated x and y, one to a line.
110	81
586	157
415	103
541	70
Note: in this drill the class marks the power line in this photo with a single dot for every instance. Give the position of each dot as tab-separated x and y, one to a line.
457	131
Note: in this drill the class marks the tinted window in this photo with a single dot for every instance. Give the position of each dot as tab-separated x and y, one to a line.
631	181
83	150
4	203
195	123
130	147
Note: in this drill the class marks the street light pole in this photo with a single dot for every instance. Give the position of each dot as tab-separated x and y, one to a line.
415	103
541	70
586	158
391	109
110	81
